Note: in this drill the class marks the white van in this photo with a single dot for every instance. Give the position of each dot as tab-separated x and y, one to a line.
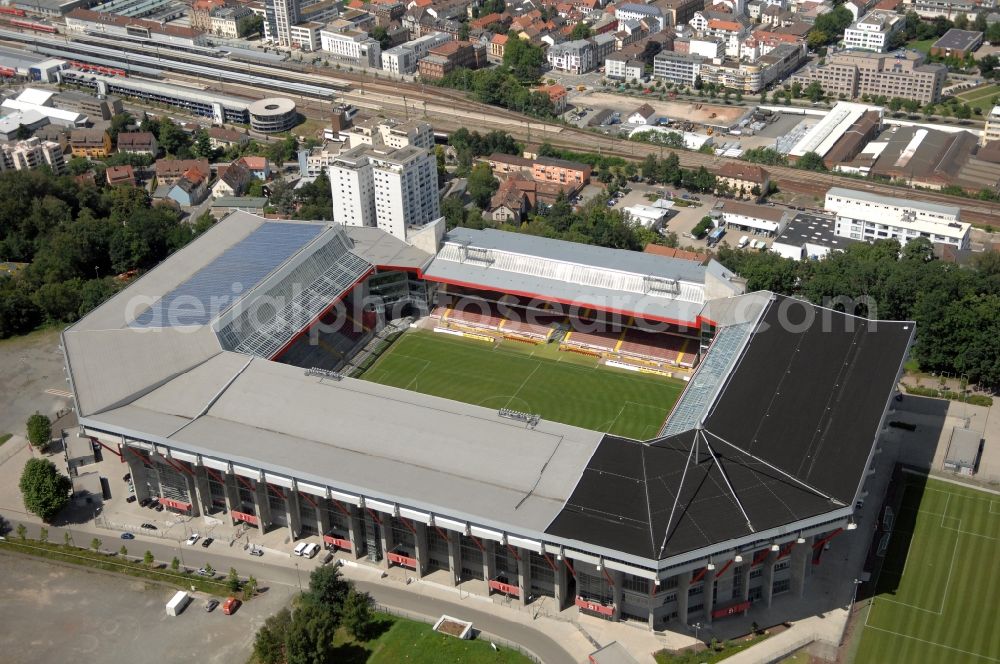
744	241
311	550
299	548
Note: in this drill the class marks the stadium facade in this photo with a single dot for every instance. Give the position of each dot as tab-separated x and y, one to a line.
198	376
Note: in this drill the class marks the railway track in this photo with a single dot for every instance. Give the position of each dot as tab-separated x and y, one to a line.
454	107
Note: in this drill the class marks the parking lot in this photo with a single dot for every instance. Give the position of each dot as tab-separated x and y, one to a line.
53	613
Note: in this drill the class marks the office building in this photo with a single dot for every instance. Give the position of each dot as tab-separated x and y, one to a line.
858	73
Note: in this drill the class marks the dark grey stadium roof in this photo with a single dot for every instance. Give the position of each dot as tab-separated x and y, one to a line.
791	432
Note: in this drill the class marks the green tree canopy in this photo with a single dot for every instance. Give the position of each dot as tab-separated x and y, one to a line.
482	185
39	430
45	491
524	59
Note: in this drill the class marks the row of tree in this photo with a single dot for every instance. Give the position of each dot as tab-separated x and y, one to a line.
957	310
75	237
306	633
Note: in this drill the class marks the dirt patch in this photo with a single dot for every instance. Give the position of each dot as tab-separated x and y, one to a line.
451	628
718	115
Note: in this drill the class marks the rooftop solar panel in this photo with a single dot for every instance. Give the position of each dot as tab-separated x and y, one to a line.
215	287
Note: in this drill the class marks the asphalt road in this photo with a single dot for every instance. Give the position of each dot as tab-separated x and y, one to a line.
292	573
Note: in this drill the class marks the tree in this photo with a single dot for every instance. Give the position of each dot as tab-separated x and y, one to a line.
173	139
580	31
123	552
482	185
119	123
814	91
327	587
148	559
523	59
43	534
233	580
209	570
249	588
357	615
44	489
811	161
175	564
310	638
22	133
381	35
269	643
22	532
95	544
202	146
39	430
282	196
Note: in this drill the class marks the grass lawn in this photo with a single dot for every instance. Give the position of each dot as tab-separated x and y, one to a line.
5	437
400	640
561	386
710	656
935	598
981	97
922	45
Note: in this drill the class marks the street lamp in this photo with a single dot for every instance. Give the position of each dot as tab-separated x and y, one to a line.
697	626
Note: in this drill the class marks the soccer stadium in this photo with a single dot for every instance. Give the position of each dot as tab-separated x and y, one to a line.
633	436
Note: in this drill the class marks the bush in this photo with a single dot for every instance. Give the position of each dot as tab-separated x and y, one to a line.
39	430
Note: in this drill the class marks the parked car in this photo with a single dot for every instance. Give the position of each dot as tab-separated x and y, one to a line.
127	477
204	572
207	542
254	551
144	502
128	536
211	604
230	605
191	540
148	526
130	499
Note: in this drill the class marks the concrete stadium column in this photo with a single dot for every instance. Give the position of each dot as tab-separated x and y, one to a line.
138	472
322	517
261	506
746	581
192	488
617	593
683	586
489	558
768	589
801	555
233	503
354	532
202	489
294	515
561	574
454	556
709	594
420	552
524	574
385	533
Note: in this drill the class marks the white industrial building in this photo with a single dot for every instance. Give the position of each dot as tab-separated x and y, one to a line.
809	236
403	59
351	45
834	125
865	216
874	31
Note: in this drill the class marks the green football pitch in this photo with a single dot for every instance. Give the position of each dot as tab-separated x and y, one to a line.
561	386
936	595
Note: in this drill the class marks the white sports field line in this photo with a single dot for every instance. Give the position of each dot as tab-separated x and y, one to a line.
932	643
947	585
59	393
523	383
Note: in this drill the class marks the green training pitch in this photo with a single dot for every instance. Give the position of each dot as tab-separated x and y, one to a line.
559	386
936	596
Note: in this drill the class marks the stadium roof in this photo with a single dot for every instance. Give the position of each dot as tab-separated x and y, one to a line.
653	287
786	438
789	421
